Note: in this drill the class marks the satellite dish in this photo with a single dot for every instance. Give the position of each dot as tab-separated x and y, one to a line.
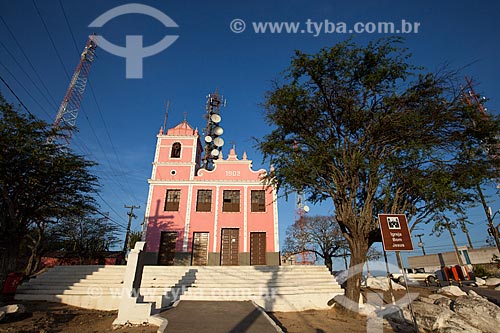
219	142
306	209
208	139
215	118
214	152
218	130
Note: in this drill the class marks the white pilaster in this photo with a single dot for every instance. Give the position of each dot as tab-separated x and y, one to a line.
275	209
188	219
216	217
245	218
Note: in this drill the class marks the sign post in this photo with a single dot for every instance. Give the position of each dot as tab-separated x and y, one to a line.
396	237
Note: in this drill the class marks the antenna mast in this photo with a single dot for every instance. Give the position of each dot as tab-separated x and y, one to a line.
68	111
213	141
167	106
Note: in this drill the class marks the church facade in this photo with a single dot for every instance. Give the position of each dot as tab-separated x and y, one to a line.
225	215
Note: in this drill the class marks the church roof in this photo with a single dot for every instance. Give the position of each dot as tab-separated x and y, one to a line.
182	129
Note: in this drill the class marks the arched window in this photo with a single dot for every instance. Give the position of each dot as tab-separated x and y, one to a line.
176	150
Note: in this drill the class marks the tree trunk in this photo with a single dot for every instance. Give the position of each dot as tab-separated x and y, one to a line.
329	263
345	259
8	261
35	247
359	248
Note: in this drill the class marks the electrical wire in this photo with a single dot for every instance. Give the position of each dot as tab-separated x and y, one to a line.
16	41
27	75
15	95
51	40
25	90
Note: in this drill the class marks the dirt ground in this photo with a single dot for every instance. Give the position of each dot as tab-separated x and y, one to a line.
45	317
326	321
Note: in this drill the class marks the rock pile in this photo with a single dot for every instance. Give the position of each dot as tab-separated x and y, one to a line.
439	313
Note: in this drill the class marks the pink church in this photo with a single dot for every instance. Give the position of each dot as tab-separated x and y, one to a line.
222	215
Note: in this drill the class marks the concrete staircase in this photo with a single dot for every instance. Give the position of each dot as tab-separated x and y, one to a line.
275	288
90	287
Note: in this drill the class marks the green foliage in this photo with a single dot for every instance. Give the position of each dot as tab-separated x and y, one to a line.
134	237
480	271
362	127
40	183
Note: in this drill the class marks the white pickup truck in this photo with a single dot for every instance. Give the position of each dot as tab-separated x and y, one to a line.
414	274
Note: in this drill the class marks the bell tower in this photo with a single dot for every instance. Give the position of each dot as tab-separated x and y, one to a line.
178	154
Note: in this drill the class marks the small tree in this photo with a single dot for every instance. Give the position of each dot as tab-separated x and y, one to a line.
40	183
320	235
362	127
134	237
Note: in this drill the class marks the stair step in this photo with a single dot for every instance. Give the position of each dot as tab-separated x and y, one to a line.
101	287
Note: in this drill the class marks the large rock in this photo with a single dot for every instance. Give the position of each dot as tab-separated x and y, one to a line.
441	300
437	319
444	302
381	283
479	312
13	308
435	296
480	282
492	281
451	290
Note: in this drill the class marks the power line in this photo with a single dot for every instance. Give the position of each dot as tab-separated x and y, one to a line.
15	95
27	59
24	88
51	40
107	204
26	73
110	219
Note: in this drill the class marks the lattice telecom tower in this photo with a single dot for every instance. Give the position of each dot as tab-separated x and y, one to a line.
305	257
68	111
213	132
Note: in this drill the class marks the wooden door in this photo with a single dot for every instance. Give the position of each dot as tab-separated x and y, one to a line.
229	247
257	248
166	254
200	249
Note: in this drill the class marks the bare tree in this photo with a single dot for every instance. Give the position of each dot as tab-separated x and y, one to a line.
320	235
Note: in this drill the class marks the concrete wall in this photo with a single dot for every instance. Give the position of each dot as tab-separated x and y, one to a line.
184	258
214	259
483	255
273	258
477	256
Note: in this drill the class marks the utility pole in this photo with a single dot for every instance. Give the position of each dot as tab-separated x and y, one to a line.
131	215
420	243
466	232
459	259
489	216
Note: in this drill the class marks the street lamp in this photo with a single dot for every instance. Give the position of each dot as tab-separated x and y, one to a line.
420	243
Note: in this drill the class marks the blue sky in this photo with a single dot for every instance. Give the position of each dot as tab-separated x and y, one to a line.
117	128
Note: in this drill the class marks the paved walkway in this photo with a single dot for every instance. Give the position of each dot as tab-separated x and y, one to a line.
219	317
